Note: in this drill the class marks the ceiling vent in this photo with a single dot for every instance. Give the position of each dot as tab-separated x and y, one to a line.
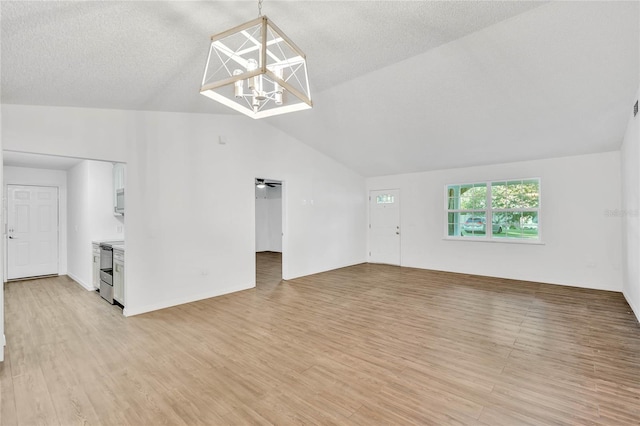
635	109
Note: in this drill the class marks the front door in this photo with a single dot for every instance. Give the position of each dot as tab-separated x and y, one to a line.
384	227
32	231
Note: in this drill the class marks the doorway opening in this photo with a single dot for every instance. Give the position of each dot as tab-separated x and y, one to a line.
269	232
84	211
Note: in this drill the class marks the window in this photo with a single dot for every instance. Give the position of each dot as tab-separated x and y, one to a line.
511	207
385	199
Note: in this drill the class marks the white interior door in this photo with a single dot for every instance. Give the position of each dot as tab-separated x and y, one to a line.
32	230
384	227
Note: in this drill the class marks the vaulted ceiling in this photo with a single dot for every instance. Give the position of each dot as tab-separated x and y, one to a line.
397	86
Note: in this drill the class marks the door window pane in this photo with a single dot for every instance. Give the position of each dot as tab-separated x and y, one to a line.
385	199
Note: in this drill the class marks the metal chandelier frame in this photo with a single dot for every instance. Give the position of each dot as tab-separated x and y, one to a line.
256	69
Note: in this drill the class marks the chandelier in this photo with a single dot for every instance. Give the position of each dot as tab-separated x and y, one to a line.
257	70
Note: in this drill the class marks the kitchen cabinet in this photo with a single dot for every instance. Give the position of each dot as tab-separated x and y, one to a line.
118	188
118	275
96	265
118	176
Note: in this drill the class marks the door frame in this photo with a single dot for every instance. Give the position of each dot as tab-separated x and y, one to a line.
285	227
5	211
369	223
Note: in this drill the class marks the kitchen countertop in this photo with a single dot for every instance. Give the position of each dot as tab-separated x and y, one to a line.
109	240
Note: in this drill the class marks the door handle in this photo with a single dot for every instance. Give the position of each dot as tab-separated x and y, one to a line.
11	238
397	232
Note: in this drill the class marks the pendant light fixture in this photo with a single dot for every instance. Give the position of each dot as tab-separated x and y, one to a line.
257	70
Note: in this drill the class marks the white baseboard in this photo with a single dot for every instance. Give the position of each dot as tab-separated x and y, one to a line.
321	270
598	286
82	283
635	309
129	312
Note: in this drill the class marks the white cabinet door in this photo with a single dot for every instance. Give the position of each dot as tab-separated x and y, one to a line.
118	183
96	266
118	276
118	176
118	288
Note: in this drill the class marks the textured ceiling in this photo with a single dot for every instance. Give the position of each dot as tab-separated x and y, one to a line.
397	86
149	55
558	80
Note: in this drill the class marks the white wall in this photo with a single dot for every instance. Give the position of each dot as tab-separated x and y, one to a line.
44	177
191	201
582	244
90	216
50	130
2	251
269	219
262	220
275	220
630	213
78	216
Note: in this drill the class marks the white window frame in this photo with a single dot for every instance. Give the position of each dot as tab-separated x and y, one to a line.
488	211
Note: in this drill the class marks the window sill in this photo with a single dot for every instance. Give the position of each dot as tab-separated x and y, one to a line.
496	240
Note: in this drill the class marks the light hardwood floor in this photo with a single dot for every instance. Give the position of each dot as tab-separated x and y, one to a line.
363	345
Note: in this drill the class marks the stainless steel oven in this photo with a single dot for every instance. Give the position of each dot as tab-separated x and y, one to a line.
106	272
106	285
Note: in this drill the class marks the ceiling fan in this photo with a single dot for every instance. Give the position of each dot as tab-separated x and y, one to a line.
261	183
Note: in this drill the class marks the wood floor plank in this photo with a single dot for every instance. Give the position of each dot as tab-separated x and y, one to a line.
496	415
368	344
34	404
8	415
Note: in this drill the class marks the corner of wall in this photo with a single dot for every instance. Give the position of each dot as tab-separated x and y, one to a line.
634	309
630	163
4	341
80	282
132	311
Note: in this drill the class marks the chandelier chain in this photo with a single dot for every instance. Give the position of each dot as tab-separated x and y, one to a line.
259	7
